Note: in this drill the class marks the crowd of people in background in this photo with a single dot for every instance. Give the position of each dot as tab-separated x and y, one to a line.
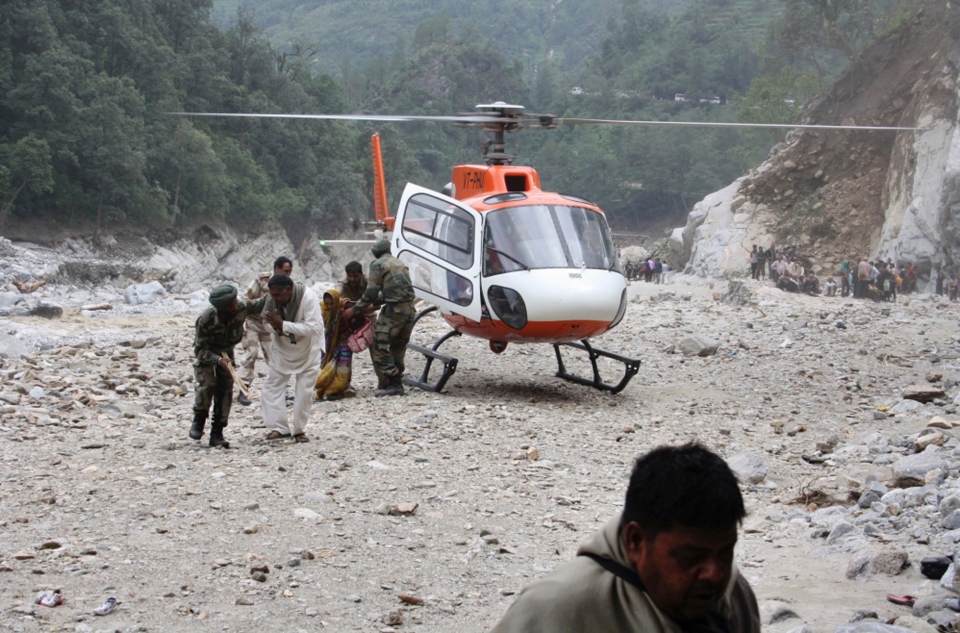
861	279
652	269
877	280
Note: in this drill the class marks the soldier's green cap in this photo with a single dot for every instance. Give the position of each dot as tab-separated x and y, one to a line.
380	247
222	296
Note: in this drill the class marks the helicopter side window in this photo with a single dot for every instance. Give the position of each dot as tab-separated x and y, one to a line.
446	232
432	278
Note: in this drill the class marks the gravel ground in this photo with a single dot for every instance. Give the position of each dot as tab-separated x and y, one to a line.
428	512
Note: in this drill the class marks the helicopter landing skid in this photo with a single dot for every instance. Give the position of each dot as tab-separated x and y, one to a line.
431	354
631	367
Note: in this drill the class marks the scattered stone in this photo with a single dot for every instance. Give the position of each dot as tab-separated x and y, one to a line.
698	346
405	509
922	393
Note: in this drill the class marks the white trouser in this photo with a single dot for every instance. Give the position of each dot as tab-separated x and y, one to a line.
274	405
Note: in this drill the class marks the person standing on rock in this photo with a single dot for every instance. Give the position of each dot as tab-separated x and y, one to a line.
218	329
389	282
293	313
665	565
864	269
761	263
258	336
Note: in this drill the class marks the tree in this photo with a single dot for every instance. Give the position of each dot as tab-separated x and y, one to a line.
824	35
110	143
25	167
772	98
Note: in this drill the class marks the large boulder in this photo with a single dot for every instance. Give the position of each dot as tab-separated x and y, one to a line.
138	294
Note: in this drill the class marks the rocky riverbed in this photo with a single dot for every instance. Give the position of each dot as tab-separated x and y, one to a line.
428	512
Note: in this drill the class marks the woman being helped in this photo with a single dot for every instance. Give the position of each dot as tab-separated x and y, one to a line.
334	379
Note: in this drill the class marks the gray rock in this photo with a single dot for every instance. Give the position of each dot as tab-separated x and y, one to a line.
137	294
928	604
870	627
749	468
889	562
904	406
696	345
874	492
949	504
942	618
10	299
950	579
863	614
11	347
912	470
922	393
842	531
951	521
916	624
859	567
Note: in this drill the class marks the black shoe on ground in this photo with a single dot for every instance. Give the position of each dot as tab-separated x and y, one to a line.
244	400
196	429
216	440
395	388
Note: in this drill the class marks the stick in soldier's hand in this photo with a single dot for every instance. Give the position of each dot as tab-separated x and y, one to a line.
236	376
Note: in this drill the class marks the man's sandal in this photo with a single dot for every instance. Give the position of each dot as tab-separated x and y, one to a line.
276	435
301	438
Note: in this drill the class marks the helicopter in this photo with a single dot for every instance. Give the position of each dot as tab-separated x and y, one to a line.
500	258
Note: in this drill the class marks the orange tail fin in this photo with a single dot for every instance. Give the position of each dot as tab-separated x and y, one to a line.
379	185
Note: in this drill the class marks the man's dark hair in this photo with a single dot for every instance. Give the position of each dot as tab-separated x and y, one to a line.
280	280
687	486
281	261
354	267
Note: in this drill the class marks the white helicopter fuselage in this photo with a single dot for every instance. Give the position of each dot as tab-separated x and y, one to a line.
525	267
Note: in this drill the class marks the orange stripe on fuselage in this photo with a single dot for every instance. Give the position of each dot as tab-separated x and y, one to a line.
534	332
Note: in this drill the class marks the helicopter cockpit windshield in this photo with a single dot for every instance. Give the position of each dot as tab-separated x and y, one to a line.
547	236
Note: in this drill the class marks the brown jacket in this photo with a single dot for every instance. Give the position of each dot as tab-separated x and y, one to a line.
580	596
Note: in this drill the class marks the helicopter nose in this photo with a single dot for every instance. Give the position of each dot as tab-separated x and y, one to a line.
581	303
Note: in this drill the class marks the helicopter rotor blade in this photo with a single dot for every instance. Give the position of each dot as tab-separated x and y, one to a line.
518	121
469	119
576	121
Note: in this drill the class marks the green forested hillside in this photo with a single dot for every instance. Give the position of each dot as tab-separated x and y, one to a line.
360	31
84	134
86	88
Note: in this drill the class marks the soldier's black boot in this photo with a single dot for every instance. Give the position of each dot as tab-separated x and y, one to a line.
199	421
216	436
393	388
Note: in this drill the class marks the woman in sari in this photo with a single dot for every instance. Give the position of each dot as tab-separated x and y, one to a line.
334	377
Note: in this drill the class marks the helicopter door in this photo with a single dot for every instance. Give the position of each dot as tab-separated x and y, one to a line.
438	238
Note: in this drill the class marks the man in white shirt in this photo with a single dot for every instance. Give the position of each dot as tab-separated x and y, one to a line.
293	313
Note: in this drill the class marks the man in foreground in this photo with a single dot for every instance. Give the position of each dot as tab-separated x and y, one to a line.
388	282
258	336
664	565
293	313
218	329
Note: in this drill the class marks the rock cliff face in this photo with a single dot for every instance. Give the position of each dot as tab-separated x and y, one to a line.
193	260
830	196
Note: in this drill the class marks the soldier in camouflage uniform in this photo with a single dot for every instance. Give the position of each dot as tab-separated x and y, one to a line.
388	278
218	330
258	336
